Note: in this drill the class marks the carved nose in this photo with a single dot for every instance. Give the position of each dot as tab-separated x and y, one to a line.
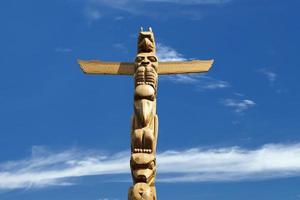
145	63
141	192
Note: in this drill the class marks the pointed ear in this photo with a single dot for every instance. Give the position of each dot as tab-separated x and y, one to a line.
142	29
150	29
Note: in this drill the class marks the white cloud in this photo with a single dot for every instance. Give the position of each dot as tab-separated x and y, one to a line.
239	106
271	76
202	82
192	2
166	53
63	50
184	78
222	164
141	7
122	4
54	168
207	82
92	13
120	47
119	18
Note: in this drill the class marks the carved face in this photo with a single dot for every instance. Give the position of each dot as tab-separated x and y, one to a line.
146	60
143	167
145	76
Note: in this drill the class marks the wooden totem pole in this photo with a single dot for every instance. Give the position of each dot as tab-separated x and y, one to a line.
144	129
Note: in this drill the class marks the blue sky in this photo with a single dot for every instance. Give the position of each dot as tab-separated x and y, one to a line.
230	134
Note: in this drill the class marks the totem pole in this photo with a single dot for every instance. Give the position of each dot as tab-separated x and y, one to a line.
144	121
144	128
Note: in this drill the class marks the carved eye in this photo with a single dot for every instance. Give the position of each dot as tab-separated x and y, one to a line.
152	58
139	59
152	165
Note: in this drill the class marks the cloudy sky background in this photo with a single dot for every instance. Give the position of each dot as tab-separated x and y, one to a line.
230	134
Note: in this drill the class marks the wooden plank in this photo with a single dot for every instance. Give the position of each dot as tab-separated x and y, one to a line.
128	68
182	67
100	67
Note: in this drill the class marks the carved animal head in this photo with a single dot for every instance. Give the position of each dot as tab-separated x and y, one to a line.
146	41
143	167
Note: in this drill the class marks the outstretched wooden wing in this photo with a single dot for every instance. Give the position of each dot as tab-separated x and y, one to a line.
183	67
127	68
100	67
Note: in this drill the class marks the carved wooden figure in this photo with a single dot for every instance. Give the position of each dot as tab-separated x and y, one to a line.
144	129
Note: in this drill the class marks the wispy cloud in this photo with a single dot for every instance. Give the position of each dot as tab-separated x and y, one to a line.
166	53
120	47
270	75
197	164
63	50
141	7
118	18
191	2
120	4
92	13
46	168
239	106
233	164
202	82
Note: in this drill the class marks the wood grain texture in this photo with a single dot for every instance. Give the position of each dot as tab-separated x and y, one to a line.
183	67
112	68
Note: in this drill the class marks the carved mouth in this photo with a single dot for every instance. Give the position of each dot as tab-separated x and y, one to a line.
144	175
141	178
